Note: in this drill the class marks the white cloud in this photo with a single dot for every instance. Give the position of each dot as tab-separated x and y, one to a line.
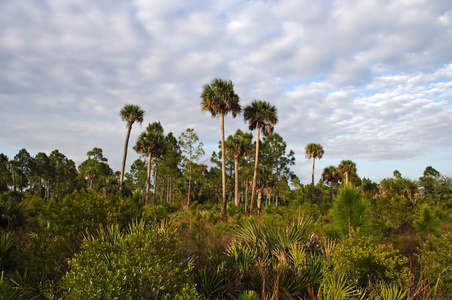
369	80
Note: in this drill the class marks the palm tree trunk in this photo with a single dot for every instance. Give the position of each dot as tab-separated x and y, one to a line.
148	179
223	170
236	167
124	156
346	178
246	197
313	167
253	190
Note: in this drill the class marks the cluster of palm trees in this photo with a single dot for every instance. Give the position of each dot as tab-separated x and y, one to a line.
334	175
220	99
330	174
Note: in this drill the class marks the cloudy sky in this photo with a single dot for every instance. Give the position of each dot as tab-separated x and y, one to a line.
371	81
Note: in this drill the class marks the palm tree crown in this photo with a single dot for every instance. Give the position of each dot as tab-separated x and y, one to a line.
331	175
219	98
348	167
130	113
259	115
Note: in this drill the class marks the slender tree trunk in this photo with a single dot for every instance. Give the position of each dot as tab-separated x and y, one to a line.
223	170
253	190
231	187
148	179
154	197
189	186
259	201
346	178
124	156
168	186
40	187
313	167
236	165
14	180
312	187
246	198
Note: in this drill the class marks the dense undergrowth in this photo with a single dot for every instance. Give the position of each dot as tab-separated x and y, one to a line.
107	246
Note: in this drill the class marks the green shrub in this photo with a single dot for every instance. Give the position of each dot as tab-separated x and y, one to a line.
364	262
154	213
80	212
143	263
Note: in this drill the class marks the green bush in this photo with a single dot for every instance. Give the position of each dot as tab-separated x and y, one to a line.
143	263
155	213
363	262
80	212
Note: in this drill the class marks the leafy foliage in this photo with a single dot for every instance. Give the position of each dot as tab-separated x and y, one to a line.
143	263
361	260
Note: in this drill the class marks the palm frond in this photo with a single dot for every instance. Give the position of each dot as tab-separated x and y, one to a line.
337	288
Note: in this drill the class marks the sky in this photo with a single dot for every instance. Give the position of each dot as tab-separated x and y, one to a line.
371	81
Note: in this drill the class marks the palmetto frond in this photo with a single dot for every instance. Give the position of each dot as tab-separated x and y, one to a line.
391	292
8	251
336	288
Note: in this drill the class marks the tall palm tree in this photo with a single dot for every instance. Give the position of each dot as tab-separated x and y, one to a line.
237	146
219	98
331	175
152	143
130	113
259	115
347	167
314	151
